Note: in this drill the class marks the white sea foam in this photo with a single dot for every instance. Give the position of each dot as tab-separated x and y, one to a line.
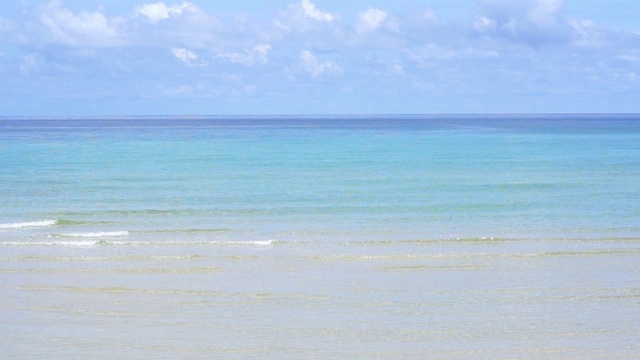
99	234
98	238
196	242
29	224
257	242
81	243
51	243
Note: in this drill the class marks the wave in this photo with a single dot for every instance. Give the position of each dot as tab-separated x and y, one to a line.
197	242
80	243
28	224
114	258
99	234
184	231
88	239
67	222
47	223
256	242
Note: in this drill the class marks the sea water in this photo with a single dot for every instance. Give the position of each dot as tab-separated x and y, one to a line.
471	237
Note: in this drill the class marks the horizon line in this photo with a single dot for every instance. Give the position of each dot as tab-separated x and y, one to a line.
311	115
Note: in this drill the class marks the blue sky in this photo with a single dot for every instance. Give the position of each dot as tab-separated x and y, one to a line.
318	57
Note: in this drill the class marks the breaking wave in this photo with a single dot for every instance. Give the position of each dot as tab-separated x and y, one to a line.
99	234
28	224
89	239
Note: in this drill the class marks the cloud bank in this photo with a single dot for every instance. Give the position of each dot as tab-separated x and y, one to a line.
503	55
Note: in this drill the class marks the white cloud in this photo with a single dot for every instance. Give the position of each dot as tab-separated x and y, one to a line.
428	16
545	13
156	12
60	25
586	34
257	55
250	89
409	43
311	65
182	25
182	90
631	57
303	16
31	63
396	69
530	21
370	20
6	25
184	55
311	11
433	52
484	24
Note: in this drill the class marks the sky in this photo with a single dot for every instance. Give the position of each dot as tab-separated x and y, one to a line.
89	57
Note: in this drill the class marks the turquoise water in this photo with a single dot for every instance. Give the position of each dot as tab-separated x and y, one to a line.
288	237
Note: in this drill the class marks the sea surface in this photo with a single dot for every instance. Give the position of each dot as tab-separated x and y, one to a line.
320	237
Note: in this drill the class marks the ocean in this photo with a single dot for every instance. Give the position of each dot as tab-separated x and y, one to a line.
341	237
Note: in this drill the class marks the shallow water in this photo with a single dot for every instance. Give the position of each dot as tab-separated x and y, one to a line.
383	237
